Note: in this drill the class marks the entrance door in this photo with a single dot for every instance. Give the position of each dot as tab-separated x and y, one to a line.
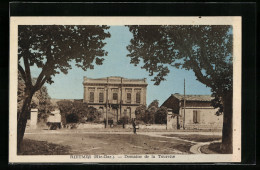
128	111
115	114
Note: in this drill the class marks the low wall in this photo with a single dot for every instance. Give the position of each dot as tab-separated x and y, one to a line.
204	126
148	126
102	126
84	126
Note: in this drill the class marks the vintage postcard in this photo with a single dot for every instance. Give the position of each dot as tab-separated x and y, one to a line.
125	89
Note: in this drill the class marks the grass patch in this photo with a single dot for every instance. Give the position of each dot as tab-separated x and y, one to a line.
33	147
94	144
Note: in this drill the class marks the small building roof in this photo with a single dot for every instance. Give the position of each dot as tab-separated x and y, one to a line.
193	97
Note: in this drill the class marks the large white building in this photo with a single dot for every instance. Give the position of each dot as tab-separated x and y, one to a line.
119	95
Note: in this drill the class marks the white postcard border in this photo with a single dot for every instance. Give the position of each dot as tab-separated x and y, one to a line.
237	34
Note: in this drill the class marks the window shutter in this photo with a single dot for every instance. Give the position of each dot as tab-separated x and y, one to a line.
194	116
91	97
101	97
138	97
198	116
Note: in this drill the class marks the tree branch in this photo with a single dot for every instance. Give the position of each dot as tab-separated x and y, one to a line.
203	79
205	63
43	72
20	68
39	85
40	77
27	72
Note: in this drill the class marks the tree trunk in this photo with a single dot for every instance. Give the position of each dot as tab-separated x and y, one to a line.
227	131
22	120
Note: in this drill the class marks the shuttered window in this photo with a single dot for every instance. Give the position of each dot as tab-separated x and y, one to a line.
115	97
128	98
196	116
91	97
101	97
138	97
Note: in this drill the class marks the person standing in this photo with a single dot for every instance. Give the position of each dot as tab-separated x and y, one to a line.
134	126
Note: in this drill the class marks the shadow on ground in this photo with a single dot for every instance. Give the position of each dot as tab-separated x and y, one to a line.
196	138
34	147
213	148
93	144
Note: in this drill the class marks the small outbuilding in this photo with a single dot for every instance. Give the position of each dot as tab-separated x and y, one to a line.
197	113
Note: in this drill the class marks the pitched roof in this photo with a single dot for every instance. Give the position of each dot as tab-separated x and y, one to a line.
193	97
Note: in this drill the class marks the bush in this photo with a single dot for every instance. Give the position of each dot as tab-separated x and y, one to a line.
124	120
81	110
72	118
147	115
92	114
161	116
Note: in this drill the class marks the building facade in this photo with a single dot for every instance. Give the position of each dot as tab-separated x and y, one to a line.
116	96
196	114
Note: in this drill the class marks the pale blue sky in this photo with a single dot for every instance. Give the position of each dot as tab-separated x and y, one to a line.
117	64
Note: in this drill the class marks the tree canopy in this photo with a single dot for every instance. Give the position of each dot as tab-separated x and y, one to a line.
53	47
40	99
207	50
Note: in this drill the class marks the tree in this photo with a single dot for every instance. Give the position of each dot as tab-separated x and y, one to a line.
40	99
160	116
150	112
79	111
206	50
147	114
154	103
140	112
124	120
52	48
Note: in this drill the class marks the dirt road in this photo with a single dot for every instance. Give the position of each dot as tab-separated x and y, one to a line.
85	142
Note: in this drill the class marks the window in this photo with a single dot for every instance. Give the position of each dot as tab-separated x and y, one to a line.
101	97
91	97
196	116
138	97
128	97
115	96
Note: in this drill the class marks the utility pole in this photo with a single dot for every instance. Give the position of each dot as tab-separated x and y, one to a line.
121	100
107	104
184	105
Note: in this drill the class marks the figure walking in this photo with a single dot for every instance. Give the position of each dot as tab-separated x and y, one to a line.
134	126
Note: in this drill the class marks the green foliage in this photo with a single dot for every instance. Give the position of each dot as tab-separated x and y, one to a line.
155	104
72	118
124	120
205	49
93	114
152	114
161	115
53	47
140	112
77	111
40	99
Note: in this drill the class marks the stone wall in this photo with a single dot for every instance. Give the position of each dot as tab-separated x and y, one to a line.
32	122
207	119
149	126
